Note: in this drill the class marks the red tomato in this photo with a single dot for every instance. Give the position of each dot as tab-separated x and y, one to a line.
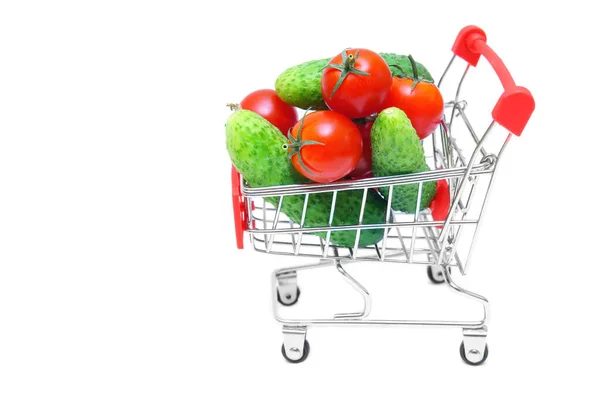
363	168
325	146
356	82
440	205
421	101
266	103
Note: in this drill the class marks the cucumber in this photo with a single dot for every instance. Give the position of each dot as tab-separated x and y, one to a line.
300	85
397	150
256	149
393	59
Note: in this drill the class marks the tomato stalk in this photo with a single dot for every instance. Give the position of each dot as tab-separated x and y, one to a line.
415	75
415	78
346	67
364	120
296	144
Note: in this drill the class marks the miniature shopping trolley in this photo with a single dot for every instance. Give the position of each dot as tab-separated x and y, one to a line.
457	155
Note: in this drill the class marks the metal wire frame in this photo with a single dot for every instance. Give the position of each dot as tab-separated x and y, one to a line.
267	223
361	317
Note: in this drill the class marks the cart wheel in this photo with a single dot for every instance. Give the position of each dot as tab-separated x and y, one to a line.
464	356
304	354
436	277
288	304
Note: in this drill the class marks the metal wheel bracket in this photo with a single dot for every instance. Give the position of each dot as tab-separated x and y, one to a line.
287	287
293	341
474	341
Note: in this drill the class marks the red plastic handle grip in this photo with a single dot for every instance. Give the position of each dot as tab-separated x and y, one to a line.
515	106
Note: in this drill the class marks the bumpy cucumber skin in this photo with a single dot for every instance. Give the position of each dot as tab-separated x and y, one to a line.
255	147
256	150
397	150
300	85
405	197
403	61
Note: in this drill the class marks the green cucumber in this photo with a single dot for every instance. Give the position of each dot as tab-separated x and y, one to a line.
393	60
397	150
300	85
256	149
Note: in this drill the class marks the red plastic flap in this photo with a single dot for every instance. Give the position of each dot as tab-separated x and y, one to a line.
240	217
462	44
513	109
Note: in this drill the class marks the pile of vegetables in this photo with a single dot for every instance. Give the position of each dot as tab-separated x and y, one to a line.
357	115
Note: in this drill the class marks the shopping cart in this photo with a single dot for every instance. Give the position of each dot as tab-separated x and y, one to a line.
456	155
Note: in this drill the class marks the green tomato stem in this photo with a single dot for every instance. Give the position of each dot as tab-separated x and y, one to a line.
346	68
296	144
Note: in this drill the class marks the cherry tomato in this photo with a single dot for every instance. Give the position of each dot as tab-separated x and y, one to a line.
356	83
324	146
363	168
269	105
420	100
440	205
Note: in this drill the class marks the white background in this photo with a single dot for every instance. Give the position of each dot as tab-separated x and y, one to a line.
116	228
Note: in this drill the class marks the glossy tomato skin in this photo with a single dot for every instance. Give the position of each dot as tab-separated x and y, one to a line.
339	152
440	205
365	164
266	103
358	96
423	105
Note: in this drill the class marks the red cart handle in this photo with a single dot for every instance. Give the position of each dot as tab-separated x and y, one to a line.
516	104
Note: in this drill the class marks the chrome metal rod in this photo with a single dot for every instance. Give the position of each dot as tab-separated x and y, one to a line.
251	221
434	145
416	218
275	222
482	300
464	182
293	238
401	252
444	132
363	227
360	219
264	213
304	207
460	83
382	322
459	153
361	184
359	288
388	216
463	114
446	70
393	258
331	213
483	206
432	243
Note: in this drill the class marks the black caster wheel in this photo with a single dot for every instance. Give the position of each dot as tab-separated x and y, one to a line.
289	304
435	278
464	356
304	355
